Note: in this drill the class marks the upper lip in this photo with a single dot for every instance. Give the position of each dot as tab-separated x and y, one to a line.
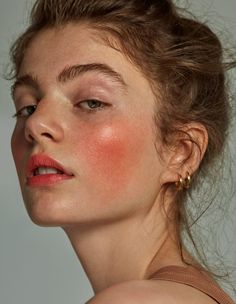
42	160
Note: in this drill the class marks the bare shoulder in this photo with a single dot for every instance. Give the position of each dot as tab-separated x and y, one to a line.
150	292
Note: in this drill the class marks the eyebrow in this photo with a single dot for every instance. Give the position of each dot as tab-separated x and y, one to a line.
69	73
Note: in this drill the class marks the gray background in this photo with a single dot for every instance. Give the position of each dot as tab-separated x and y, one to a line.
38	265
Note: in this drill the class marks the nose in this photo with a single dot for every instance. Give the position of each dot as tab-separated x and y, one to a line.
44	125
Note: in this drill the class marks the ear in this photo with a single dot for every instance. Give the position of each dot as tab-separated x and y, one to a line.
184	156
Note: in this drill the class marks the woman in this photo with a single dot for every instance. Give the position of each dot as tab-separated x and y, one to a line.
119	104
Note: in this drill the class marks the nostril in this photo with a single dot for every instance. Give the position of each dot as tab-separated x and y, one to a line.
42	127
48	135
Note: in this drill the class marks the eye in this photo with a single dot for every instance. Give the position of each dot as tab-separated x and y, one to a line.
92	105
25	111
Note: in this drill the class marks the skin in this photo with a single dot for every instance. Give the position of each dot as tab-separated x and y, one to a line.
111	208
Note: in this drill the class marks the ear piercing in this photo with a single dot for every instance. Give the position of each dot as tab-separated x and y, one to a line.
183	183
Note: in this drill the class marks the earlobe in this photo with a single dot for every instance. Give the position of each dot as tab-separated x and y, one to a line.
186	154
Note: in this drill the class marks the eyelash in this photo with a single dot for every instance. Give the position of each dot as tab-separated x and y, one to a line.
20	112
102	105
33	107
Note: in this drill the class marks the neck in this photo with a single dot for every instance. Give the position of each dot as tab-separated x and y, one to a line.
131	249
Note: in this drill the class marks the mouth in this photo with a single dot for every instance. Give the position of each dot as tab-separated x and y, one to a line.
43	170
46	171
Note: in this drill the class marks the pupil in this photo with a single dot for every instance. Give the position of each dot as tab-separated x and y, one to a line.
93	103
31	109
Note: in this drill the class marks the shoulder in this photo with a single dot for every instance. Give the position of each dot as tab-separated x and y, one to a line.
150	292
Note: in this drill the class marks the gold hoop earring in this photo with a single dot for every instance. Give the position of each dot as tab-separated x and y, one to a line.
183	183
187	181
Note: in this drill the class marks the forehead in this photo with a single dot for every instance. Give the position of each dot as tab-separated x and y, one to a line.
53	49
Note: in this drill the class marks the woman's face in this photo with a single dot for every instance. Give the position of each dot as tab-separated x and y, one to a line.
87	107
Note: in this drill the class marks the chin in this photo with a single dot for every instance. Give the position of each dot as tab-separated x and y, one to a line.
44	219
57	213
45	212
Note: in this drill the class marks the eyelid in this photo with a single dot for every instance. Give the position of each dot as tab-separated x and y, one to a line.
19	112
103	104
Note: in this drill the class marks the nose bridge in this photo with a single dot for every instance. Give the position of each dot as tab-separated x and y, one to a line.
45	122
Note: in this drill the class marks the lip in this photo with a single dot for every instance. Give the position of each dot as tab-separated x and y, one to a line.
42	160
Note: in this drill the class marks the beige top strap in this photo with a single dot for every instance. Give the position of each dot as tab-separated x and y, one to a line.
194	278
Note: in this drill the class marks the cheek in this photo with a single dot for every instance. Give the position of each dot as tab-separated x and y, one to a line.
110	151
17	142
111	155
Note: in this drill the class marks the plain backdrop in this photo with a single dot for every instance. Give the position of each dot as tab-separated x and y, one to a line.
38	265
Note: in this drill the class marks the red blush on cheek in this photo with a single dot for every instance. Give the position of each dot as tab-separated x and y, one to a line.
111	156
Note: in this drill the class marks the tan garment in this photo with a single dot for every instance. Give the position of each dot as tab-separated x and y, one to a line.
195	278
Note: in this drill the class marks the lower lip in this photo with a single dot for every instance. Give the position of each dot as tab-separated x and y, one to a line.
46	179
